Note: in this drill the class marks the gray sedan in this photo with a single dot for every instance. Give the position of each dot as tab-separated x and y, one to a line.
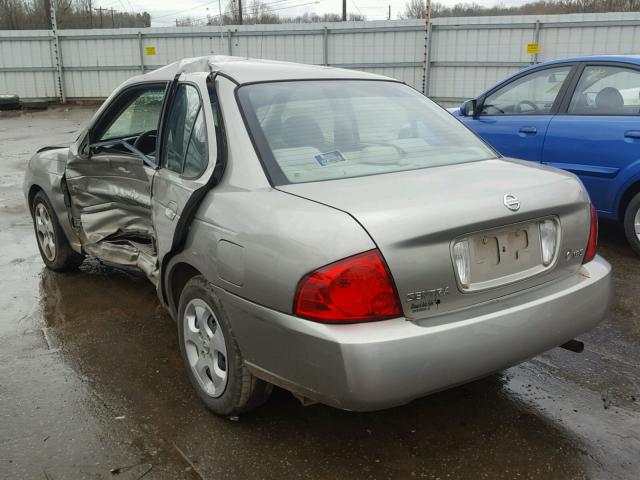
328	231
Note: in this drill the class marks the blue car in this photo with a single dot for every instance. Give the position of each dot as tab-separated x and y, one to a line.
578	114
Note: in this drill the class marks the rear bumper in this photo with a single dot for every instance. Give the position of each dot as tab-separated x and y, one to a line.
377	365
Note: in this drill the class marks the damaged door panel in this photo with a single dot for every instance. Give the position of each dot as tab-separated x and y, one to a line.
187	157
110	181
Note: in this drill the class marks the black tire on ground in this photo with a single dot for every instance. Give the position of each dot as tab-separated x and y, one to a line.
630	215
9	102
61	257
243	392
35	104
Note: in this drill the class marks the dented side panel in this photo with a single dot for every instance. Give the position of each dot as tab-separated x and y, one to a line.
46	172
111	206
111	194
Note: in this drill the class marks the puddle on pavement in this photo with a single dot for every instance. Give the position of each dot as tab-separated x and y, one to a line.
111	330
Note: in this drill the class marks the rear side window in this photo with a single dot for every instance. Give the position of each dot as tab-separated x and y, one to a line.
309	131
529	95
607	90
196	159
185	138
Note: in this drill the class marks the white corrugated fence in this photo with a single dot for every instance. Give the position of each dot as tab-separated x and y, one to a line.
458	59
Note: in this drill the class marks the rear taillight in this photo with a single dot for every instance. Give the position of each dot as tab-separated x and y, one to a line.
592	245
356	289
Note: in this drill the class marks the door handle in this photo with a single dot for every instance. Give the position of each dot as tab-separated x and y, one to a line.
632	134
171	210
528	130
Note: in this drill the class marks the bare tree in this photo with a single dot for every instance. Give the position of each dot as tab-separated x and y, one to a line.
415	8
259	12
34	14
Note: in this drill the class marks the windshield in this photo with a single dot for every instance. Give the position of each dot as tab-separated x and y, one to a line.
309	131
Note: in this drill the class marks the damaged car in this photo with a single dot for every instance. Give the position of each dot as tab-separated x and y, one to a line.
331	232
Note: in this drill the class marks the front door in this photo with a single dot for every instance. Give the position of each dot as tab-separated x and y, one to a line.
597	136
514	116
188	155
109	179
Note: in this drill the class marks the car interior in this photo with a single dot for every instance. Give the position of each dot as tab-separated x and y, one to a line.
607	90
318	137
607	101
133	119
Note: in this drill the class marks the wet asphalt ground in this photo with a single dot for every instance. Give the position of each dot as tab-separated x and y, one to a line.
91	380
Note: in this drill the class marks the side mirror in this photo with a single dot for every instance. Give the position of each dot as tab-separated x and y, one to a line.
469	108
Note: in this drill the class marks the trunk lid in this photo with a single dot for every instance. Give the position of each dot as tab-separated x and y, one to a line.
415	217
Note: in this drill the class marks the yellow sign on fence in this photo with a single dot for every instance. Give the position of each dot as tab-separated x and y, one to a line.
150	50
533	48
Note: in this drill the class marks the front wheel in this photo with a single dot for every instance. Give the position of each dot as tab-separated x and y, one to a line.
52	242
212	356
632	223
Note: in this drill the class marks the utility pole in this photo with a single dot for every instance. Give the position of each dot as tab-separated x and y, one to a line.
57	55
100	13
47	14
239	12
427	45
90	14
389	18
220	19
113	21
344	10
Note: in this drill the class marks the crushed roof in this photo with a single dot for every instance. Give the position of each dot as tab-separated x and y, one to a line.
246	70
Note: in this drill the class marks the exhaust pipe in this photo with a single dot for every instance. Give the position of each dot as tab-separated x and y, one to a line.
575	346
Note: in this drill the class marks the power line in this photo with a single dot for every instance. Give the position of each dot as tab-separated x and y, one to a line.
108	4
271	10
124	7
183	11
245	8
357	8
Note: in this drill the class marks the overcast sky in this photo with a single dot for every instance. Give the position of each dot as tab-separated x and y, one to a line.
164	12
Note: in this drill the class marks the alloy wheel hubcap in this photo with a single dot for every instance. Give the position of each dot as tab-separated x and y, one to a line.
636	223
205	347
44	232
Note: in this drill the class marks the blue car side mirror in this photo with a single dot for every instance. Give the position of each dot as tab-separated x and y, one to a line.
469	108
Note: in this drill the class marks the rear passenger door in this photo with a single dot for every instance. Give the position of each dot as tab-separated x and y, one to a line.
596	133
514	116
188	156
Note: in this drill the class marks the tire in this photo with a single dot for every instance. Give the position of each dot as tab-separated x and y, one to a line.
9	102
34	104
631	218
210	352
54	248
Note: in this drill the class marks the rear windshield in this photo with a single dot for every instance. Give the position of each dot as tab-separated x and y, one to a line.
308	131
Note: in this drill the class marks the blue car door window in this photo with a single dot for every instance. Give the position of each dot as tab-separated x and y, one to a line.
530	94
599	136
515	116
607	90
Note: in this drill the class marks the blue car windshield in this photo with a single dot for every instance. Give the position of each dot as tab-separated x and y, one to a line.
309	131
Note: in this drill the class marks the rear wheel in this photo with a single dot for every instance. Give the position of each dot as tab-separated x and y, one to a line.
211	354
52	242
632	223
